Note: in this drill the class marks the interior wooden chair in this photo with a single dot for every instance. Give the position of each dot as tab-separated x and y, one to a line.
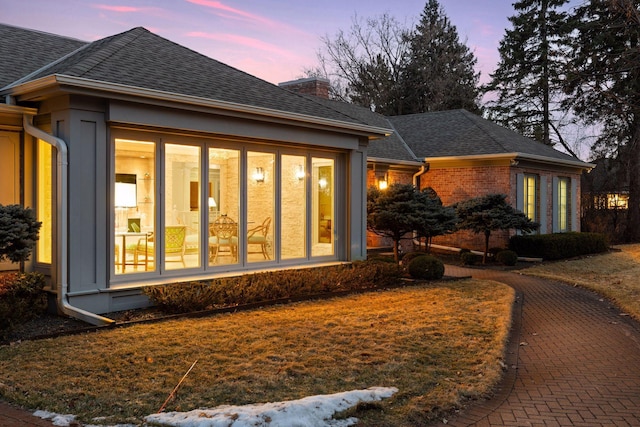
258	236
224	235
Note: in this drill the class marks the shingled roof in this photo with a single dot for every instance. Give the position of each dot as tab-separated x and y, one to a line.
390	148
459	133
140	59
36	49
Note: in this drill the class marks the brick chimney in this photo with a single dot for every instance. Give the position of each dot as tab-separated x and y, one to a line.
315	86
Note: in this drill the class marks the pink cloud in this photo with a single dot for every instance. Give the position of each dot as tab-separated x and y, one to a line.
119	9
234	12
240	40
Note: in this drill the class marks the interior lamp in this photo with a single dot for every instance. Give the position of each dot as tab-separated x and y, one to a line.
212	203
125	191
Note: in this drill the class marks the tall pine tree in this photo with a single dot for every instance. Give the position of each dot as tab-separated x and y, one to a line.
603	83
439	73
527	80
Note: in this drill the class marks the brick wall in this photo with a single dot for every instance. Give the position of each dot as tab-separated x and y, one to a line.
456	184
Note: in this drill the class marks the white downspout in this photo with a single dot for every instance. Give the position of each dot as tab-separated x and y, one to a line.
420	172
62	227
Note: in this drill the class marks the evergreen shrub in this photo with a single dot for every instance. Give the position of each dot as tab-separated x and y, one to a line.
469	258
21	298
507	257
426	267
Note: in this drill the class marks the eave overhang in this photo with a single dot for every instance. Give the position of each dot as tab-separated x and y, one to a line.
37	89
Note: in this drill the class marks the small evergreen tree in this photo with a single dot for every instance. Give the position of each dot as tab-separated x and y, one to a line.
435	219
18	233
491	212
394	212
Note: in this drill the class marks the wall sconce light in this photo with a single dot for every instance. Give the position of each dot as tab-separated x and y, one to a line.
300	172
322	182
383	182
258	175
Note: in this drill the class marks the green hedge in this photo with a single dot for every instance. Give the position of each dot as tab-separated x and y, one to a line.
268	286
558	245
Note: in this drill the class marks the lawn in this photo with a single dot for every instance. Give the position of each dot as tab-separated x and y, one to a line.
614	275
440	344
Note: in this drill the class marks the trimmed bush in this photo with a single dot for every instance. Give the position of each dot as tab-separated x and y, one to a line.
469	258
273	285
21	298
493	252
507	257
426	267
559	245
409	256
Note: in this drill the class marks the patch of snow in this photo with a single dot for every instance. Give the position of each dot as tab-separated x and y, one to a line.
312	411
56	419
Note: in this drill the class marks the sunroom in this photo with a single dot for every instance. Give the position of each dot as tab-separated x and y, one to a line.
148	163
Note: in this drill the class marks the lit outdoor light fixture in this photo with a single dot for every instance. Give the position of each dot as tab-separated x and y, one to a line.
258	175
383	182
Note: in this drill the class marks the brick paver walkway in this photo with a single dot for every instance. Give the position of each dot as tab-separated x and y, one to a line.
11	416
575	360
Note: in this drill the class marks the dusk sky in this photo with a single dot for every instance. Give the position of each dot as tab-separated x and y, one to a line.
271	39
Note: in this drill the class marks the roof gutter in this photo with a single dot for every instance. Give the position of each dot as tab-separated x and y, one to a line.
62	226
514	156
412	163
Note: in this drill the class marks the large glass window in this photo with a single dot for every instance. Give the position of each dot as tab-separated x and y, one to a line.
260	206
530	193
563	204
182	207
44	205
222	208
134	206
323	207
223	201
293	214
